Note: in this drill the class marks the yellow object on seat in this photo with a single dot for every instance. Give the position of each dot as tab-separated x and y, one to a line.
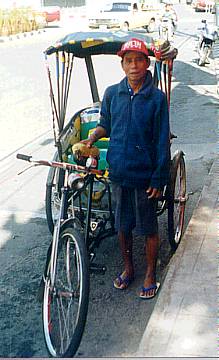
81	152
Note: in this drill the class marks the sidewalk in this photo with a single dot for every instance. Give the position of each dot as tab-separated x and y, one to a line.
216	61
184	320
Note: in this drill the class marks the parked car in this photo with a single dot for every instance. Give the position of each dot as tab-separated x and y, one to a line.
51	13
125	15
200	5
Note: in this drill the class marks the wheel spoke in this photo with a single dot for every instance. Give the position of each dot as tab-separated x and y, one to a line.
63	324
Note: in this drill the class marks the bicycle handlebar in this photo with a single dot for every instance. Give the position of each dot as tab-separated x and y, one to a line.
24	157
62	165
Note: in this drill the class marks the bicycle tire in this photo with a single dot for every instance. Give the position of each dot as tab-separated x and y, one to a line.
54	183
176	200
65	306
203	55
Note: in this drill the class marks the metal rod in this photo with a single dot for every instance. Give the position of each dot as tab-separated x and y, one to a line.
66	85
89	208
165	78
62	92
57	79
159	77
92	79
170	69
68	80
52	98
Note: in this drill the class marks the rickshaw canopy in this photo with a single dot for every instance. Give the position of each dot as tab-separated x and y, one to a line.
83	44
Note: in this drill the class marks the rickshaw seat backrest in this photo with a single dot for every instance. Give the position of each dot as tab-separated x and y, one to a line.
82	125
89	119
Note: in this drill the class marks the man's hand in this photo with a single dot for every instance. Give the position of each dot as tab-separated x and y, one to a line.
87	142
153	193
97	134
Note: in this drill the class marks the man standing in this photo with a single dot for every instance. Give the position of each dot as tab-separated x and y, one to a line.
134	114
169	15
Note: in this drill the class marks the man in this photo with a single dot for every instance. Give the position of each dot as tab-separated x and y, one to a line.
134	114
169	14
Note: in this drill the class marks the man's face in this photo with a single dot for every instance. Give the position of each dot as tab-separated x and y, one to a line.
135	66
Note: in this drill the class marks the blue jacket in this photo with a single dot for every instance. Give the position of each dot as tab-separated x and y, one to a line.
138	127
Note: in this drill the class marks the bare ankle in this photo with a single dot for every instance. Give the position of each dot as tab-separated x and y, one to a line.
150	278
129	271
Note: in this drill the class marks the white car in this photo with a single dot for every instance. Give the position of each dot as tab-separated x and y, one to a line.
125	15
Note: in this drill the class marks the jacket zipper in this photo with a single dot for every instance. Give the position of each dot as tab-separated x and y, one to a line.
128	124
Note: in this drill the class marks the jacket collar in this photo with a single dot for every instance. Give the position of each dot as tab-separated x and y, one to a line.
145	90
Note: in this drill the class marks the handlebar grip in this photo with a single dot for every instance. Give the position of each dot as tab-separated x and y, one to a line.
23	157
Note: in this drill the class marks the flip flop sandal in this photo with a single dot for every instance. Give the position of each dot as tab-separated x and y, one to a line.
154	287
122	283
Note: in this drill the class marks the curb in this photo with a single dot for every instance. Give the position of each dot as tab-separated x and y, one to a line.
215	53
21	35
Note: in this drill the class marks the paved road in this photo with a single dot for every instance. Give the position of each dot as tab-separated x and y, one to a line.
116	321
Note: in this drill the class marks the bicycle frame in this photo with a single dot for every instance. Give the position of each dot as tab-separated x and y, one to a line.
92	238
61	219
68	212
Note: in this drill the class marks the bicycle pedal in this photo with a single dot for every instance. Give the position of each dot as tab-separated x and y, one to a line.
97	269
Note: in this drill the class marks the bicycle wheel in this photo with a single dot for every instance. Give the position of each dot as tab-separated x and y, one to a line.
54	183
176	200
65	304
203	53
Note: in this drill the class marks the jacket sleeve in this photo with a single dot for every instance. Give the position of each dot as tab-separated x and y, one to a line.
105	113
161	138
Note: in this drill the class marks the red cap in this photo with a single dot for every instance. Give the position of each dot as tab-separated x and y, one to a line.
133	45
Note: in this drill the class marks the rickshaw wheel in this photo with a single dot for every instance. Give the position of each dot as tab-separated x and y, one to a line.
54	183
65	304
176	199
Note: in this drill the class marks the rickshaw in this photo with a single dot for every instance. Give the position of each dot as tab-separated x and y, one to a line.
78	190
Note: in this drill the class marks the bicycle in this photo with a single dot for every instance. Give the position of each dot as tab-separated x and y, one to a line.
70	260
71	253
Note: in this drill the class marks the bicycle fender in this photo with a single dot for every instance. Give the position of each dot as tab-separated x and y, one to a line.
175	160
177	155
74	223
